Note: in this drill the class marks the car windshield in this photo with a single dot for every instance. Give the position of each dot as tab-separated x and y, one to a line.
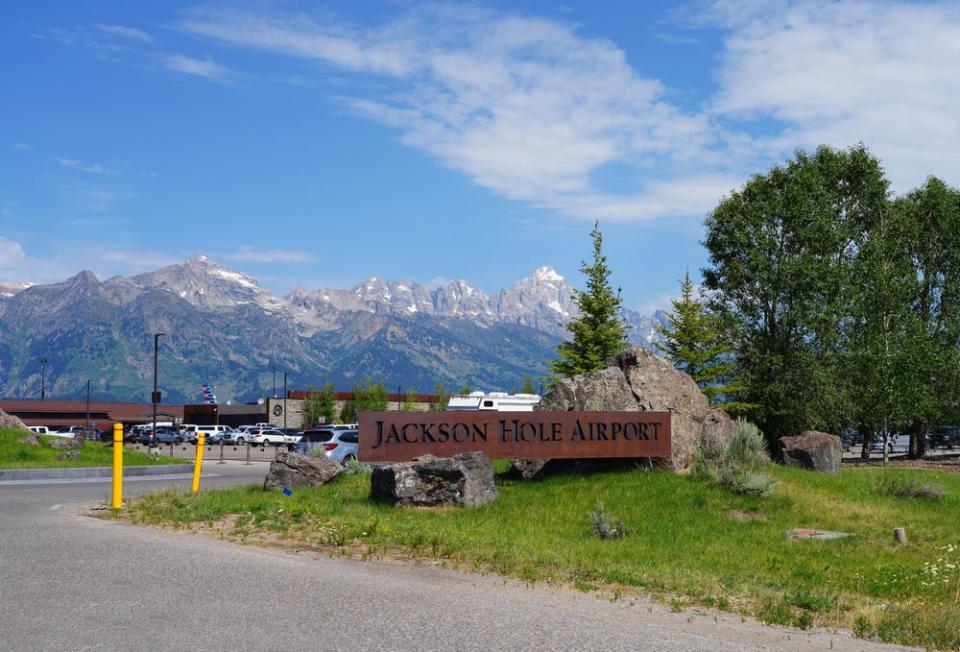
65	429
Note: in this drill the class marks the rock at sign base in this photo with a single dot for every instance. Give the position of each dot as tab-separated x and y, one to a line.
290	470
817	451
30	440
12	422
806	534
464	480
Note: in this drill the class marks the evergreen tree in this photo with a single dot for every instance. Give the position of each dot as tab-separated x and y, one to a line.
597	333
311	407
348	414
465	389
528	387
693	341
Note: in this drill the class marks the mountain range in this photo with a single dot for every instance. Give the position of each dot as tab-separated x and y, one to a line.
222	327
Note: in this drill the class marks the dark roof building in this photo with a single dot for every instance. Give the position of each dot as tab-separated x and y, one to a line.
74	413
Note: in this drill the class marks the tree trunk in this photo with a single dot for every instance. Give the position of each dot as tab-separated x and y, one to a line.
918	442
865	450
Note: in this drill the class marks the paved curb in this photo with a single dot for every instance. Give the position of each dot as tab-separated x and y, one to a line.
93	472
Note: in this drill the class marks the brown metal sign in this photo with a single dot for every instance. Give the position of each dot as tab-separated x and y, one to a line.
399	436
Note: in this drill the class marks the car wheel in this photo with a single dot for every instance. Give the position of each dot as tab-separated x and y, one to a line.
348	458
240	441
178	441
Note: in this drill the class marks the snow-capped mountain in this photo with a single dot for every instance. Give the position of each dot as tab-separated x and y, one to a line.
227	329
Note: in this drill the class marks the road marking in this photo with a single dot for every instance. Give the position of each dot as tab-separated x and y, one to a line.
55	507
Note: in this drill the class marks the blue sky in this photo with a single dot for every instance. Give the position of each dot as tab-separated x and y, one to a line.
317	144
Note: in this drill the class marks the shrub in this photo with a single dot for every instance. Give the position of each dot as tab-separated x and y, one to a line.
739	465
904	486
606	525
355	467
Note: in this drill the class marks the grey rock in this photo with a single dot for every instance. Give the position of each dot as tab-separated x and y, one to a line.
817	451
11	422
290	470
464	480
69	455
640	380
65	442
30	440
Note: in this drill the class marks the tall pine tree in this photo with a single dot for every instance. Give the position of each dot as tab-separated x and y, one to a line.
694	343
597	332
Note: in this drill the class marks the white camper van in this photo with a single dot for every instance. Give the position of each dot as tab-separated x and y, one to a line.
495	401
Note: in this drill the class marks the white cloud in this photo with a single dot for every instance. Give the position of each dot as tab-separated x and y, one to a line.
844	72
125	32
535	111
247	253
73	164
17	265
200	67
524	106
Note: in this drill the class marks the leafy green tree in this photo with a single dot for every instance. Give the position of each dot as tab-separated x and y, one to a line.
409	401
930	218
320	406
440	405
597	333
465	389
371	397
695	344
884	337
781	251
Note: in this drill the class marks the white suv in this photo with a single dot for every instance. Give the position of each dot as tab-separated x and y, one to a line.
266	437
208	432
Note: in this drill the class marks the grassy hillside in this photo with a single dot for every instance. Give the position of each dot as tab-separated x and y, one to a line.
14	455
692	543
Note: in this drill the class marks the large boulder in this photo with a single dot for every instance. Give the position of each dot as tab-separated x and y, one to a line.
464	480
817	451
640	380
290	470
11	422
30	440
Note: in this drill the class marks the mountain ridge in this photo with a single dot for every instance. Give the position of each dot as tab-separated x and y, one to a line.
227	329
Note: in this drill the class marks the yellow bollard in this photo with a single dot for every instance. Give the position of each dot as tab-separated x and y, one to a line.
117	466
198	463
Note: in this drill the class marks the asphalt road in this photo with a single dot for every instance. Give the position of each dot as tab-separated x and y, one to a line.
72	582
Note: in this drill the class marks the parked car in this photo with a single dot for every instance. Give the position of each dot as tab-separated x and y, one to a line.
209	432
267	437
945	437
340	445
898	443
66	431
851	439
291	435
238	437
165	435
39	430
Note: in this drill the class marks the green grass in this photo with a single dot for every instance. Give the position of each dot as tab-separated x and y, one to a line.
684	547
14	455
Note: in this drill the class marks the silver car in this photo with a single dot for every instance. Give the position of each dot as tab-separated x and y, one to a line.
340	445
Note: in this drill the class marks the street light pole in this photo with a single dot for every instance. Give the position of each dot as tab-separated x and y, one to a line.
88	405
274	393
284	403
43	377
155	397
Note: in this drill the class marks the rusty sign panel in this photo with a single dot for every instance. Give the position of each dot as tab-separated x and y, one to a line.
400	436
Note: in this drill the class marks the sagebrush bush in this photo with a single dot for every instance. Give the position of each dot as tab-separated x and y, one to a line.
900	486
353	467
739	465
606	525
